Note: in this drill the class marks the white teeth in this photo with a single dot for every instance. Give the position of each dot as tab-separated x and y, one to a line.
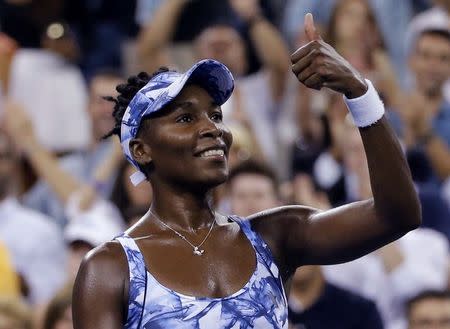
212	153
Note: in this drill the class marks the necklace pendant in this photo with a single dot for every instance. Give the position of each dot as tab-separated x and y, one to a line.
198	252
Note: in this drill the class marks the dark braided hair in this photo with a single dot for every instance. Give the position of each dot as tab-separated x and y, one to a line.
126	93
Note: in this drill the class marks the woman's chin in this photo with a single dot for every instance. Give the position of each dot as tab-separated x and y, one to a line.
214	180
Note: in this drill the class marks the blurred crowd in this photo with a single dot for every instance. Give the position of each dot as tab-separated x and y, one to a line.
64	189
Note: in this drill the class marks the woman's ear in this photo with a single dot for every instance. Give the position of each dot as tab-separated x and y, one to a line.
140	151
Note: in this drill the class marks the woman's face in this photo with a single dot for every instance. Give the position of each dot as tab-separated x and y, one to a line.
352	21
189	143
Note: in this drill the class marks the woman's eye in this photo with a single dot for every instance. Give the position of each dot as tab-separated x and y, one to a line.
184	118
217	117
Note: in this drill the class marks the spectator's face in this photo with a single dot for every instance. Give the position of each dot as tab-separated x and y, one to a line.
251	193
431	63
100	109
224	44
430	314
352	21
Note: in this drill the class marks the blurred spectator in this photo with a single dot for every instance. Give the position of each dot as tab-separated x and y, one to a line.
102	26
94	170
14	314
221	40
25	20
34	241
52	90
318	151
59	311
392	17
126	196
9	284
395	273
427	111
435	211
252	188
88	229
437	17
304	192
316	304
321	117
430	309
353	31
244	145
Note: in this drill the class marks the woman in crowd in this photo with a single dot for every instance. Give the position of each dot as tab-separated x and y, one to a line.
179	268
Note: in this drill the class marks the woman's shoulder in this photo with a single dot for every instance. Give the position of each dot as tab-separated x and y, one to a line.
274	226
274	216
100	291
107	260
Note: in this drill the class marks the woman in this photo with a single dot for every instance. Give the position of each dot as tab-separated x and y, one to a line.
179	265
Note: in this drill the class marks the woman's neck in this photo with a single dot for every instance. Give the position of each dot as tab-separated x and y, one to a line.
183	209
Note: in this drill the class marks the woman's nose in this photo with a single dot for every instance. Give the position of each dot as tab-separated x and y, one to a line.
211	129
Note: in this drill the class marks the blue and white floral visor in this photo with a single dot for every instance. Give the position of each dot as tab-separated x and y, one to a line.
211	75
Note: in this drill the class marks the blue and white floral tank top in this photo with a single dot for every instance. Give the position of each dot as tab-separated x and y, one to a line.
260	304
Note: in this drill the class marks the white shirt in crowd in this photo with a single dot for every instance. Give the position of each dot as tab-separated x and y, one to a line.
425	266
54	94
36	247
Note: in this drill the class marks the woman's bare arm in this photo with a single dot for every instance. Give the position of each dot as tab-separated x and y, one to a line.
300	235
100	291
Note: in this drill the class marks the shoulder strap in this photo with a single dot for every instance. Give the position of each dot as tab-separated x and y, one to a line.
260	246
138	281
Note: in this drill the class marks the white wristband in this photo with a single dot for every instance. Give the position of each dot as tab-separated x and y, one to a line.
366	109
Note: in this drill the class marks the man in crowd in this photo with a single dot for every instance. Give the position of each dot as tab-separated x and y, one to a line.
430	309
426	110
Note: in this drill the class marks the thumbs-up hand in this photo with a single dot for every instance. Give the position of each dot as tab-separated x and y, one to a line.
317	65
310	29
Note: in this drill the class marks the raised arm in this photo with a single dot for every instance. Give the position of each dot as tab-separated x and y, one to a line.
99	295
300	235
270	47
156	35
47	166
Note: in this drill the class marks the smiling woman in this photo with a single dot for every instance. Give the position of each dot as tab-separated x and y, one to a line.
183	265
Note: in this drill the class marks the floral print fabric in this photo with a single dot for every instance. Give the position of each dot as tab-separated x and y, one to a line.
261	303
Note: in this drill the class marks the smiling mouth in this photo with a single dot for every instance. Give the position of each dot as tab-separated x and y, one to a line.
212	153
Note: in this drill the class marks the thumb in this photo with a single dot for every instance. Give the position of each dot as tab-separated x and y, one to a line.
310	29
